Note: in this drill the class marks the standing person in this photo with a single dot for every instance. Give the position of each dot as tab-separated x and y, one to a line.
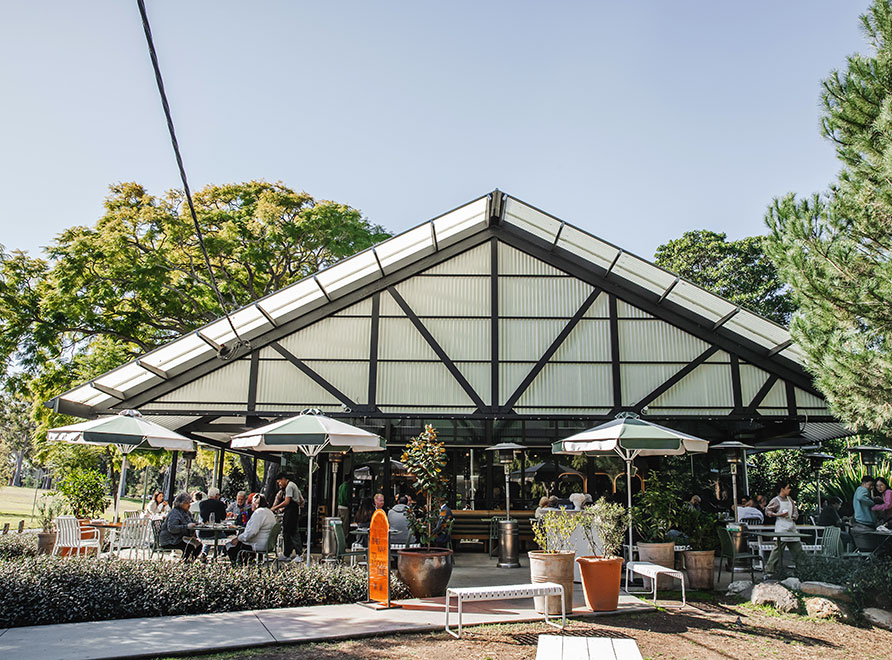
784	511
884	509
176	530
862	503
256	534
289	506
344	502
158	507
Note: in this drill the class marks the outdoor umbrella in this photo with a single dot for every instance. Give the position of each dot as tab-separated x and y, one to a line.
629	437
127	431
545	472
311	433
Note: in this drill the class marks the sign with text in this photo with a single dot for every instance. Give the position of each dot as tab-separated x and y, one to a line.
379	558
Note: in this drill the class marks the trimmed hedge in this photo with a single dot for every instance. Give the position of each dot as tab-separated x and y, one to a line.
13	546
44	590
868	580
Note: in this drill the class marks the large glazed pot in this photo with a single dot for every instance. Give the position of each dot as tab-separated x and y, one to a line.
700	566
662	554
554	567
426	571
45	542
600	582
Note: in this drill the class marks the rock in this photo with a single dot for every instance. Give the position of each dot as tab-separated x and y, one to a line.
792	583
742	588
825	589
776	595
821	608
878	617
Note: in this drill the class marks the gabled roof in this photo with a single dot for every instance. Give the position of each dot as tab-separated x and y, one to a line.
497	214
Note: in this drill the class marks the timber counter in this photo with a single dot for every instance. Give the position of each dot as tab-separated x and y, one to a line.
476	525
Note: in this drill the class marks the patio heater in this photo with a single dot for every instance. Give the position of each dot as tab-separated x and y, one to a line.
815	461
504	453
869	455
734	456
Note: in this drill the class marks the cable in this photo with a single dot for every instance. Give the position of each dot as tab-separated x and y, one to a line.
176	150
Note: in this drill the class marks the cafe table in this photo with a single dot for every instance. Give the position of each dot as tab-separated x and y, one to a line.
217	529
104	528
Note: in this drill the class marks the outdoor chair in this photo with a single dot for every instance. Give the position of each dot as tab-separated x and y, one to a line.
865	544
132	514
831	542
341	551
264	557
133	537
155	526
729	551
69	535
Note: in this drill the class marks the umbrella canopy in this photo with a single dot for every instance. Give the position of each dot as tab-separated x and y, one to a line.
364	472
310	433
127	430
545	471
629	437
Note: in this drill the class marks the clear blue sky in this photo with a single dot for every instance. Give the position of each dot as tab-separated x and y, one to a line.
634	120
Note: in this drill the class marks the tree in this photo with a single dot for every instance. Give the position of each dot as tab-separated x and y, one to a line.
737	270
16	437
834	248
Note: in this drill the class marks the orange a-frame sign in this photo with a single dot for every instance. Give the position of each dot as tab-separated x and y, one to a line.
379	559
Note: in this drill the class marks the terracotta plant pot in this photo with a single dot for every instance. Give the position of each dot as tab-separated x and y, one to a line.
601	578
662	554
554	567
700	567
425	571
45	542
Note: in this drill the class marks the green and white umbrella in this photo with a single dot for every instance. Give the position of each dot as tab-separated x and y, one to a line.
310	433
629	437
127	430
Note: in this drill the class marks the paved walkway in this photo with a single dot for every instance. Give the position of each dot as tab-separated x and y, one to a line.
164	636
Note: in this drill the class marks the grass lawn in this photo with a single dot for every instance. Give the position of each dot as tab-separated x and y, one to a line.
16	503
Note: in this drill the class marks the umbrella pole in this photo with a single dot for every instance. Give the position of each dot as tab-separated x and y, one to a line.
309	506
629	498
120	484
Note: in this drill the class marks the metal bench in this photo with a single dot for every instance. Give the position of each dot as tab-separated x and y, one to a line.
505	592
553	647
652	572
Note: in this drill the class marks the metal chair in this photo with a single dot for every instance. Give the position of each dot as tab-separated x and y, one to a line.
831	542
133	535
131	514
155	526
729	551
69	535
341	552
264	557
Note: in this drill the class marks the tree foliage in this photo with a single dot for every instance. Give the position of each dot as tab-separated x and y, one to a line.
834	248
737	270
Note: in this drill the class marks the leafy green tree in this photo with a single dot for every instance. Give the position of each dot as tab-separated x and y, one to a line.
737	270
16	434
834	248
84	492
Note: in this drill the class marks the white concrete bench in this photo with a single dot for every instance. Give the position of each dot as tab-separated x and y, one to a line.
554	647
652	572
505	592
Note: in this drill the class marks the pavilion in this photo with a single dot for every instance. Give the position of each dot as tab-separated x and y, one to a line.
495	322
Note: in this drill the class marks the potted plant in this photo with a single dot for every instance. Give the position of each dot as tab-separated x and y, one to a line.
699	530
47	512
603	525
654	515
84	493
553	562
426	570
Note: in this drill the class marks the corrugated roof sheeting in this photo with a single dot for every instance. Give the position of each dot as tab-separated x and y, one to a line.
452	296
530	220
299	298
516	262
126	377
362	308
527	339
228	384
695	412
757	329
425	384
626	311
536	297
351	378
751	381
463	221
639	380
776	397
282	382
600	309
479	376
350	274
193	406
462	339
642	273
809	401
589	341
820	431
403	249
570	384
332	337
658	341
511	374
399	340
475	261
564	411
172	422
709	385
699	301
587	246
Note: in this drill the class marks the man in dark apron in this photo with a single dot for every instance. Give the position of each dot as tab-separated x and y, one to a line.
289	507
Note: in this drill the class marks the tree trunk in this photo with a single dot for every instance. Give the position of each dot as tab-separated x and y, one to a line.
17	475
247	464
270	486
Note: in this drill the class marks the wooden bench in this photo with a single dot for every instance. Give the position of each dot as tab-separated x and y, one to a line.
554	647
652	572
474	525
505	592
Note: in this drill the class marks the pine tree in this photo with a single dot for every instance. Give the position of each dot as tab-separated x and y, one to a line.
835	249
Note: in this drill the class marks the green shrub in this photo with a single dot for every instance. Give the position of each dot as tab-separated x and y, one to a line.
44	590
868	581
84	492
13	546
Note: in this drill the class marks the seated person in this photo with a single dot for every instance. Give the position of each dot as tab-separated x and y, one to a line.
399	523
578	500
542	508
442	532
239	510
363	518
830	518
256	534
197	497
158	507
747	510
212	505
176	530
883	508
862	503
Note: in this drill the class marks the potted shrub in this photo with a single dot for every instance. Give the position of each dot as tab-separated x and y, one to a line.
84	493
426	570
699	529
47	512
553	562
654	515
603	524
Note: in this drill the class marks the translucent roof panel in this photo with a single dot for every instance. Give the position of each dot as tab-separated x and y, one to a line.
349	274
794	352
461	222
642	273
245	320
299	297
699	301
755	328
530	220
587	246
178	352
404	248
125	377
86	395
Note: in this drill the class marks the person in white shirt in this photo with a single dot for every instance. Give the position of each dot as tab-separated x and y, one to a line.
158	508
747	510
256	534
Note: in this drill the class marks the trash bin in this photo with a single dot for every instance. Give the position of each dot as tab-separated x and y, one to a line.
329	540
508	544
